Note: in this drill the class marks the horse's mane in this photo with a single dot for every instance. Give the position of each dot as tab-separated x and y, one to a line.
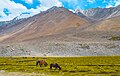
41	62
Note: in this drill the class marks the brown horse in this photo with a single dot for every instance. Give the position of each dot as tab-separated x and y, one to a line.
41	62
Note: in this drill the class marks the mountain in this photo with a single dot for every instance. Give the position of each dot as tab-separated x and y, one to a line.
60	32
51	22
4	24
105	23
111	24
7	24
79	13
101	13
23	16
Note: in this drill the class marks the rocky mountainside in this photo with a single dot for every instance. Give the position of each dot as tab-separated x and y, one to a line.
112	24
79	13
60	32
53	21
101	13
7	24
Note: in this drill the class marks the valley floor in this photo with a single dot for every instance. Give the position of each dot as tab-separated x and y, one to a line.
71	66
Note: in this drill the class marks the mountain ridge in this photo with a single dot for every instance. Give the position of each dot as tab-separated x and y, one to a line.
60	32
101	13
52	21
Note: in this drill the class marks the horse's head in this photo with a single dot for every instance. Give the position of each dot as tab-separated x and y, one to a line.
45	64
37	62
59	68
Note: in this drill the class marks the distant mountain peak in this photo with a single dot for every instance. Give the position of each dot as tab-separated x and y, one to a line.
101	13
22	16
55	8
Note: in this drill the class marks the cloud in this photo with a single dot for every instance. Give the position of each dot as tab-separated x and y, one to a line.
29	1
71	4
15	9
9	9
109	6
91	1
117	2
112	3
46	4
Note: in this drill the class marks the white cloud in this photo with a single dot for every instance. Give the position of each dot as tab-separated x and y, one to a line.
109	6
29	1
45	4
91	1
13	7
16	8
117	2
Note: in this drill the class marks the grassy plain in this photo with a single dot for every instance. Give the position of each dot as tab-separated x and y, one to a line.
71	66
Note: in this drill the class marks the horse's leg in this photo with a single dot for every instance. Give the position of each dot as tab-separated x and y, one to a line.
40	65
44	64
50	67
37	63
55	67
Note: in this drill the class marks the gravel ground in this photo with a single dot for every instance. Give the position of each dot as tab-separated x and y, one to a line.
3	73
60	49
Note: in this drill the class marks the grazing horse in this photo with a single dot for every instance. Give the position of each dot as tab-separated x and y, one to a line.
55	65
41	62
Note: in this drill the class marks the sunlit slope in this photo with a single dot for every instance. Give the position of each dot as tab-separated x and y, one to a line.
53	21
112	24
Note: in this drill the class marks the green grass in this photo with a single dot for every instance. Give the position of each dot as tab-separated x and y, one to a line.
115	38
71	66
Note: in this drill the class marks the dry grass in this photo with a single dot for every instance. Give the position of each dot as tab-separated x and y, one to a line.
71	66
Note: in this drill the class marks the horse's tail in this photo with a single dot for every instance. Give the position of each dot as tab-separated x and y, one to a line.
37	62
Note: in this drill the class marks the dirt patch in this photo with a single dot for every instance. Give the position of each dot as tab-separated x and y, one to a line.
3	73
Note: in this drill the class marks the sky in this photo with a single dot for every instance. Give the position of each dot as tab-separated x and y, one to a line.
10	9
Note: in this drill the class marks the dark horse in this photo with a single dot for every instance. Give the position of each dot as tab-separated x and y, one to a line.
41	62
55	65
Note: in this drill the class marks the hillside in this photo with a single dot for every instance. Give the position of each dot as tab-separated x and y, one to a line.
53	21
60	32
112	24
101	13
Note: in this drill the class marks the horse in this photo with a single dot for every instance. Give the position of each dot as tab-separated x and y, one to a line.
41	62
55	65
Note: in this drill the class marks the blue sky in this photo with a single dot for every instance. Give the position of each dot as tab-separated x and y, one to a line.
86	4
12	8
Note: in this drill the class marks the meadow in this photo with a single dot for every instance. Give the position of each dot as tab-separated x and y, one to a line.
71	66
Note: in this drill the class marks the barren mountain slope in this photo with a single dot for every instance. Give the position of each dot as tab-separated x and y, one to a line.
101	31
102	13
112	24
59	32
50	22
